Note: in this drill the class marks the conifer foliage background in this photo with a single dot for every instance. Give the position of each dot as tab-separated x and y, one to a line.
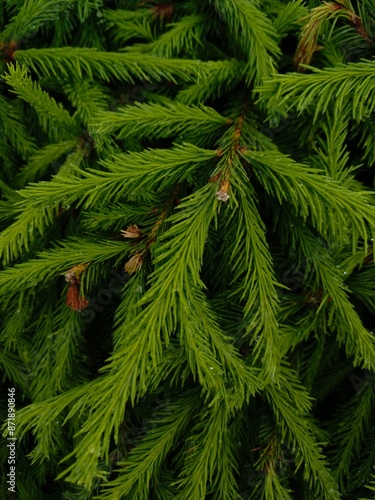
187	222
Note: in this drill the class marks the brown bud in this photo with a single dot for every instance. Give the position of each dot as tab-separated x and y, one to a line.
132	232
163	11
134	264
73	275
73	299
222	194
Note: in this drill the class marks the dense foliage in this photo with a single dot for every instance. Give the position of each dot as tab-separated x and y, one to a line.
187	262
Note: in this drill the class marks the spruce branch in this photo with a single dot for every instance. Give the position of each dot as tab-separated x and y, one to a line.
267	464
27	19
128	67
41	161
208	463
250	260
35	220
175	283
16	319
185	35
127	24
112	397
333	307
287	398
307	44
139	343
346	88
129	174
53	118
12	367
53	262
351	432
252	267
362	284
364	135
143	463
331	207
31	16
212	356
254	34
17	237
115	216
222	76
88	97
333	155
14	129
157	120
9	194
288	16
58	339
273	489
